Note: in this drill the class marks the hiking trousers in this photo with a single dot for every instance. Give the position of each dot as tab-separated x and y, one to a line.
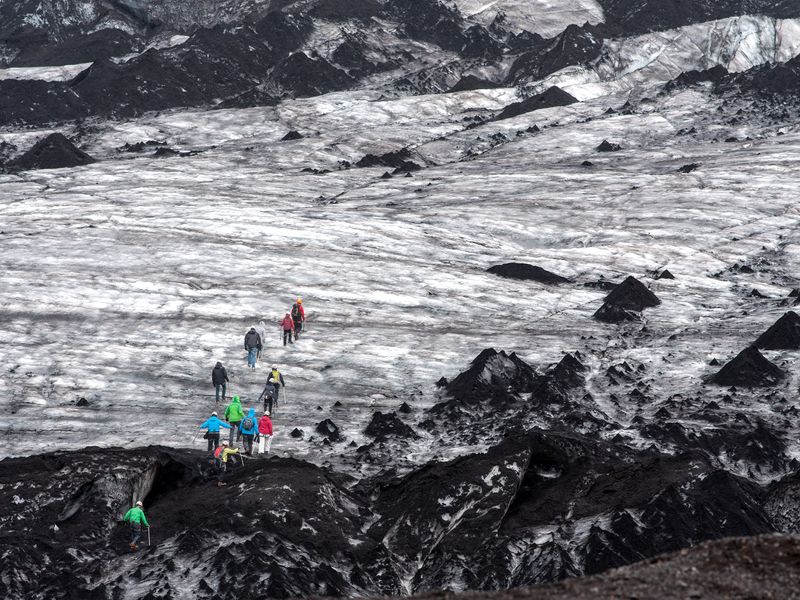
248	443
136	532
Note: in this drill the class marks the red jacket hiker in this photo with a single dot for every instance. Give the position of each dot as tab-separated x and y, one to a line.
265	425
287	323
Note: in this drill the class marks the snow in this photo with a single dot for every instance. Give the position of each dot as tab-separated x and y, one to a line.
736	43
61	73
545	17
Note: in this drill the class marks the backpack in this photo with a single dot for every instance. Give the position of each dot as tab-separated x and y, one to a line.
247	423
295	312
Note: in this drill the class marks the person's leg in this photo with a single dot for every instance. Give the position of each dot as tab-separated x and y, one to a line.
215	440
269	401
230	433
238	432
269	443
210	442
136	531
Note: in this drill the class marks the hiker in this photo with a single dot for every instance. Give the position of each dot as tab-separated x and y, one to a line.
212	435
264	433
234	415
249	429
262	330
298	316
269	396
135	516
288	327
276	379
252	344
219	379
221	456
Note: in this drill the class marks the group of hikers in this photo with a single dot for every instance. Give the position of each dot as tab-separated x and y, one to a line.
247	428
291	325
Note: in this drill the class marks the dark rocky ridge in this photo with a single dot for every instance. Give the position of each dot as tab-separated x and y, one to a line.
383	426
551	97
526	272
763	566
749	368
784	334
625	302
53	152
474	511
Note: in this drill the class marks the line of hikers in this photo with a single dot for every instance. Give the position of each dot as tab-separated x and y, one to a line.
247	428
292	325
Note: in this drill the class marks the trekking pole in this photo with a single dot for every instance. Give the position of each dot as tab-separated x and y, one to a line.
148	536
196	433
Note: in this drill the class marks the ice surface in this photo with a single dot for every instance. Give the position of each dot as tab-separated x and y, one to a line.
125	281
737	43
61	73
545	17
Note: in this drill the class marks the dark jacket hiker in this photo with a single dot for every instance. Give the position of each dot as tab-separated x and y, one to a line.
219	379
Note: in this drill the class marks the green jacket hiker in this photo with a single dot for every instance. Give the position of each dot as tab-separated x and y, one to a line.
136	515
234	412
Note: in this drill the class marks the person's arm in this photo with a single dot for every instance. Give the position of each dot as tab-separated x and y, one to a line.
225	425
127	515
144	520
225	374
203	425
282	382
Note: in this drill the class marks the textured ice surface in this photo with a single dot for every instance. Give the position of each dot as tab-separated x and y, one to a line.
124	281
545	17
62	73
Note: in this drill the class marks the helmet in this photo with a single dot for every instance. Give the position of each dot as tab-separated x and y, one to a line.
139	503
274	366
224	442
299	300
266	413
214	414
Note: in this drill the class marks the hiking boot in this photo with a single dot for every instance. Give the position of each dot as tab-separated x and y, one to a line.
221	483
133	547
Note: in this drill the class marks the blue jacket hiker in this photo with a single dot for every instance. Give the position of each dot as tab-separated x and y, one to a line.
213	424
249	429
